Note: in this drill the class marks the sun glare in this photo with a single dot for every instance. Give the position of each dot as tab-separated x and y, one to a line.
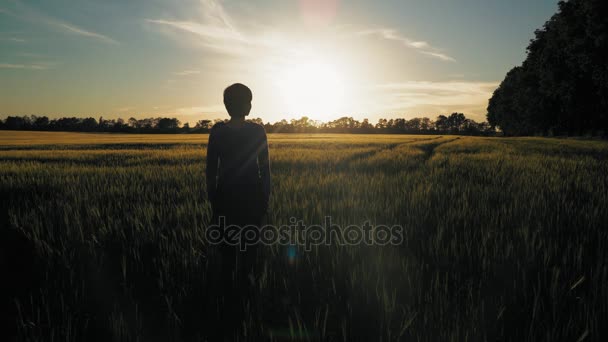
312	88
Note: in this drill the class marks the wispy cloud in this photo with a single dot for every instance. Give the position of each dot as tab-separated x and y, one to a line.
216	37
32	15
420	46
200	110
80	31
14	39
215	31
215	13
125	109
187	72
432	98
23	66
449	86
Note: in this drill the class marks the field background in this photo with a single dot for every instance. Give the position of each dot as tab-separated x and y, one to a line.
506	238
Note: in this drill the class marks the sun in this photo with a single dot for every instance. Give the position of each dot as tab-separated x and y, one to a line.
312	88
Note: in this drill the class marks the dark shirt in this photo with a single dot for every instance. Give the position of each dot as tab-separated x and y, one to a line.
237	160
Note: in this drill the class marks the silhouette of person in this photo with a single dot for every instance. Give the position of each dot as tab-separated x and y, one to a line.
238	188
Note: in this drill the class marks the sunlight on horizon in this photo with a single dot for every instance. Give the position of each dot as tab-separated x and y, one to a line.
312	88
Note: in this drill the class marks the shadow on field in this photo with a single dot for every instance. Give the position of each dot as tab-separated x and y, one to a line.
21	270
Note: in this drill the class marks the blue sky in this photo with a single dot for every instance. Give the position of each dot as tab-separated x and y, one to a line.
324	59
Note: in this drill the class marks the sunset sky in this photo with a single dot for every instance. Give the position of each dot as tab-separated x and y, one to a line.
322	59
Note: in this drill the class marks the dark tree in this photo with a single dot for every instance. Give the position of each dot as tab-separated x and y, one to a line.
167	124
442	124
40	123
562	86
203	124
455	123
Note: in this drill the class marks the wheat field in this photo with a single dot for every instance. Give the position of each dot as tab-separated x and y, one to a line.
505	238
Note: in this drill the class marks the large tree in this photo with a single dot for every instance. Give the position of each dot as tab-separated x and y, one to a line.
562	86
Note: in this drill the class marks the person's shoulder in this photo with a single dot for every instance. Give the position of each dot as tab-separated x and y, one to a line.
255	126
217	130
218	125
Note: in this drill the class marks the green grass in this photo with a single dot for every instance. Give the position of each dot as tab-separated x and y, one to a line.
505	238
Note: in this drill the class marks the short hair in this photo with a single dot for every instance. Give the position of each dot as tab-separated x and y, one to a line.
237	98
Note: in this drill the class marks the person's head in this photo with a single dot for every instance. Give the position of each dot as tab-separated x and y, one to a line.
237	99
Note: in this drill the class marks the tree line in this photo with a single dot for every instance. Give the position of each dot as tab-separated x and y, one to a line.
562	86
455	123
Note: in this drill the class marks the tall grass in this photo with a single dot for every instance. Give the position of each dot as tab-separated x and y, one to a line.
505	239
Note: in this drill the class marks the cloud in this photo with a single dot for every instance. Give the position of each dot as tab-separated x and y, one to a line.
23	66
187	72
125	109
80	31
421	46
14	39
220	38
432	98
200	110
439	55
450	86
32	15
216	14
215	31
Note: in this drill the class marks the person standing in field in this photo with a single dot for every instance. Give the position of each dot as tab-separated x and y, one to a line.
238	171
238	188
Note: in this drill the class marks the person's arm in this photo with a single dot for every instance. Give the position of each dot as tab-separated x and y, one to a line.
264	165
212	164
